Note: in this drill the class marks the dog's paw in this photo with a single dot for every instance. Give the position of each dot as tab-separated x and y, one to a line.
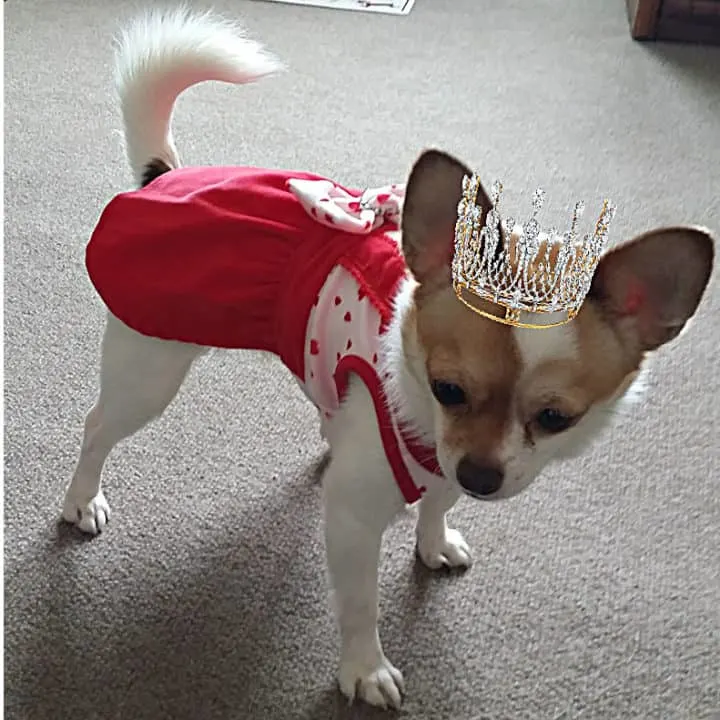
91	516
380	684
449	550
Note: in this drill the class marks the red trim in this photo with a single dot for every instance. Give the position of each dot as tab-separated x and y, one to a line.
395	271
423	455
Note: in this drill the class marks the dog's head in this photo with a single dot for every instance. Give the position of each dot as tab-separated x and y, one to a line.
508	400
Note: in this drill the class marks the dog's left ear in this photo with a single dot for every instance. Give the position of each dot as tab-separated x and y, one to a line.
650	287
433	192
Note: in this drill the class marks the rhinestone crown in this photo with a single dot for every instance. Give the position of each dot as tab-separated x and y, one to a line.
526	276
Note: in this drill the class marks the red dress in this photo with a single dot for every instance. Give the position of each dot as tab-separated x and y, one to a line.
238	257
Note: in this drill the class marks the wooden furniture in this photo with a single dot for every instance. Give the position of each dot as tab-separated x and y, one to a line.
696	21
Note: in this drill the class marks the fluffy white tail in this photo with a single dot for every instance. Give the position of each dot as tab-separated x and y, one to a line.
161	54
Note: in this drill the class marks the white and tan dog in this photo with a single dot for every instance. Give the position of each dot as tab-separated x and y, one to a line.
496	403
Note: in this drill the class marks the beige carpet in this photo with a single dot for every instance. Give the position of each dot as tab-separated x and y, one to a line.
595	595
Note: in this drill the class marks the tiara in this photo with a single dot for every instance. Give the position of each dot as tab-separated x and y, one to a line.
522	275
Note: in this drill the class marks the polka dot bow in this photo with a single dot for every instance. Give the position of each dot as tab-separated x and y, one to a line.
333	206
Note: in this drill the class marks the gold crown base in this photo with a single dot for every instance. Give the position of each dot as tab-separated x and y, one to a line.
512	316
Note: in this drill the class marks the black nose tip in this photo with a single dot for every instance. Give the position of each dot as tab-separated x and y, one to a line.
478	479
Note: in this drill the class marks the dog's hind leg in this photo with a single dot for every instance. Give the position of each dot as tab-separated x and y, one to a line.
139	377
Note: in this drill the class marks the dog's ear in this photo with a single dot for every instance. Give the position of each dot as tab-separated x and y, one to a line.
650	287
433	192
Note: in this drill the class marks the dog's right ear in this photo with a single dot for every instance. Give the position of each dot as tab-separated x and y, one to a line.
651	286
433	192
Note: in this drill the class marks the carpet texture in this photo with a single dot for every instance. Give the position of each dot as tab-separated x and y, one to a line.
594	595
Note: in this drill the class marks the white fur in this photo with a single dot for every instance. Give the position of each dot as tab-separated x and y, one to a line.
159	56
523	463
552	343
404	361
163	53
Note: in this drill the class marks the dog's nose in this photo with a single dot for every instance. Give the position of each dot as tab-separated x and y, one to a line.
479	480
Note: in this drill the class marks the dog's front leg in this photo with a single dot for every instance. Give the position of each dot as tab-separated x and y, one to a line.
355	519
437	544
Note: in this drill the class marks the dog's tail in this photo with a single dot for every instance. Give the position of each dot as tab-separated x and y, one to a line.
161	54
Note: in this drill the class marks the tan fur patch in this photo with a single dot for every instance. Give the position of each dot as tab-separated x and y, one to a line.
572	385
481	357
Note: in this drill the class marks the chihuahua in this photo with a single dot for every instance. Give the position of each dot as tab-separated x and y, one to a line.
420	399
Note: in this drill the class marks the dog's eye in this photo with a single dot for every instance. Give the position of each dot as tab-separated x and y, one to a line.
553	421
448	394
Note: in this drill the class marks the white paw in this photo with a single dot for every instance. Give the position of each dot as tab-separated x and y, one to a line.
379	684
449	550
90	516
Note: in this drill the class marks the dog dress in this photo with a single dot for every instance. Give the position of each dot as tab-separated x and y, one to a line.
284	262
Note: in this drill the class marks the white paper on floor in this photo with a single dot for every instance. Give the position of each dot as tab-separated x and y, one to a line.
389	7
